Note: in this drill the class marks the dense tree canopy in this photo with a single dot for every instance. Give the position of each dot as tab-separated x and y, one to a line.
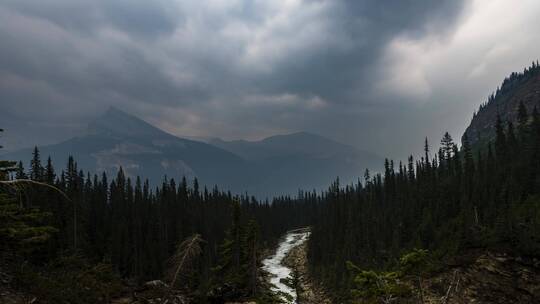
445	203
136	229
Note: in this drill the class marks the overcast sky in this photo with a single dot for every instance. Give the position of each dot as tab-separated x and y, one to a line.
380	75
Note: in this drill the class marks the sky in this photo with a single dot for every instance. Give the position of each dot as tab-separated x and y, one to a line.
379	75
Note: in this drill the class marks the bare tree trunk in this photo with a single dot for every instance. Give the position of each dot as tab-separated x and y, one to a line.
449	291
185	252
254	267
421	290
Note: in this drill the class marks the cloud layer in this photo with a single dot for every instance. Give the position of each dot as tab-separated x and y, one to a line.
376	74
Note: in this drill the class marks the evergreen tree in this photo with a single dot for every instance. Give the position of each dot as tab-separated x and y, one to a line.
426	153
251	256
500	139
522	119
36	169
467	155
50	175
447	146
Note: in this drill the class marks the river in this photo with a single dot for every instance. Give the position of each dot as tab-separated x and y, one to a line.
277	271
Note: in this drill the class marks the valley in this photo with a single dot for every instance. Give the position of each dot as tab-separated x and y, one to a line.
262	177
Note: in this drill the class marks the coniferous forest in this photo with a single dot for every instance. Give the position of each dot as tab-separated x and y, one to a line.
444	202
71	219
71	237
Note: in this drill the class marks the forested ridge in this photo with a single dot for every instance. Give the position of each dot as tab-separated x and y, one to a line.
445	202
518	88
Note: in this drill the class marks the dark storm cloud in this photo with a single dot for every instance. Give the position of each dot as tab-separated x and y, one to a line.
137	17
233	68
366	27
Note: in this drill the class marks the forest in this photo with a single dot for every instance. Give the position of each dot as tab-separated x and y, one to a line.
122	228
445	203
72	237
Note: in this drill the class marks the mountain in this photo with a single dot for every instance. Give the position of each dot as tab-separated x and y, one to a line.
301	143
518	87
300	161
119	139
273	166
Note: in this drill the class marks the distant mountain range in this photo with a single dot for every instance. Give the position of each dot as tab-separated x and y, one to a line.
273	166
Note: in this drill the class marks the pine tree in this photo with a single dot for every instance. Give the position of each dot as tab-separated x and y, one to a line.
500	139
410	169
511	138
36	169
19	172
250	256
426	153
522	119
228	269
467	155
447	146
50	176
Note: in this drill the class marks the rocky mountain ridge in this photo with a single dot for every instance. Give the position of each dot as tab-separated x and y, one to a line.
517	88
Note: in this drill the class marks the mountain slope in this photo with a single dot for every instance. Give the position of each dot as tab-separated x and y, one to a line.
300	161
299	144
119	139
274	166
519	87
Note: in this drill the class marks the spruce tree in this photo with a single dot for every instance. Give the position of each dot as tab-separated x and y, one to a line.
36	169
467	155
50	176
522	119
447	146
19	172
250	256
500	139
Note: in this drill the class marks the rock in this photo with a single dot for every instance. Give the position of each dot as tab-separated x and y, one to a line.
308	291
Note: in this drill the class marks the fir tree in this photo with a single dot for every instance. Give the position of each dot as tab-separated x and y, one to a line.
50	176
36	169
522	119
19	172
500	139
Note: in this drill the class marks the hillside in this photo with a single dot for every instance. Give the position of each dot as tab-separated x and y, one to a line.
518	87
411	234
277	165
118	139
300	161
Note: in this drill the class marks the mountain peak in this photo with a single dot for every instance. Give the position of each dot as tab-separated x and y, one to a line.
115	122
112	110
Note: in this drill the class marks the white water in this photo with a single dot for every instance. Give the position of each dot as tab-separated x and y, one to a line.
273	265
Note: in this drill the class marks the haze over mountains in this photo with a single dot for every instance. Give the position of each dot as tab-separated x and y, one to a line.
276	165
